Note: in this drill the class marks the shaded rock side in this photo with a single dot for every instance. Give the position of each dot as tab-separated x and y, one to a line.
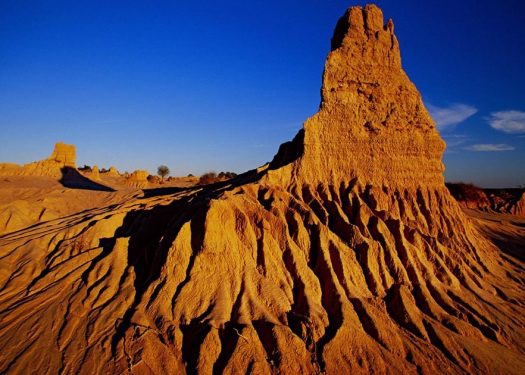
470	196
345	254
519	207
506	201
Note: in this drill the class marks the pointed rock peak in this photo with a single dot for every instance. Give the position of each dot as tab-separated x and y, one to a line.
365	55
361	32
372	123
362	22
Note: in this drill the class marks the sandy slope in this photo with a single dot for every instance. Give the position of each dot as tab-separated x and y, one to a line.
27	200
506	231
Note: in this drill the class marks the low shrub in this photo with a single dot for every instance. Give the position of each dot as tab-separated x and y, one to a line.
208	178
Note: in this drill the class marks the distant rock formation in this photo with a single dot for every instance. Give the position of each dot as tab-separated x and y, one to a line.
113	172
506	201
469	196
63	155
9	169
519	208
346	254
95	173
138	179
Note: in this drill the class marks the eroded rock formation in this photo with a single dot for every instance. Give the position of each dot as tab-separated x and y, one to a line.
138	179
506	201
63	156
471	196
345	254
112	171
95	173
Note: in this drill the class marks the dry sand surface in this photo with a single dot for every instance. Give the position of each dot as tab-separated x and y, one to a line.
506	231
27	200
345	254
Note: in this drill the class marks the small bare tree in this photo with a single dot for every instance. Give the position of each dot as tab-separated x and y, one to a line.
163	171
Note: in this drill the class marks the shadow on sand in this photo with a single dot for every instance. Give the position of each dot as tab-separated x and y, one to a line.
155	192
71	178
513	245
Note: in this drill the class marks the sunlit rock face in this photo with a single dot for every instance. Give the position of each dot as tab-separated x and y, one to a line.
345	254
138	178
63	156
372	123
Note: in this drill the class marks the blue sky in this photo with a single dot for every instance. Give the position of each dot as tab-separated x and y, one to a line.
218	85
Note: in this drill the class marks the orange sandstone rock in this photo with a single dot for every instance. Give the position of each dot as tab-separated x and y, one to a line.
95	174
345	254
63	156
113	172
138	178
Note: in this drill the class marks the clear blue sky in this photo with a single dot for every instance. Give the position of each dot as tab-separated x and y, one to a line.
218	85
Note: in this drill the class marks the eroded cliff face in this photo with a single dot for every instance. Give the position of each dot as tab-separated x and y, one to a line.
346	253
63	156
372	124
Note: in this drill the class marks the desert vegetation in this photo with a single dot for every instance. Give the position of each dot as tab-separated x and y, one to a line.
208	178
163	171
85	168
212	177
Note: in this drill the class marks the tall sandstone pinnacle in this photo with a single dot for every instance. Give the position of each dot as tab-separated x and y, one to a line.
345	254
372	124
